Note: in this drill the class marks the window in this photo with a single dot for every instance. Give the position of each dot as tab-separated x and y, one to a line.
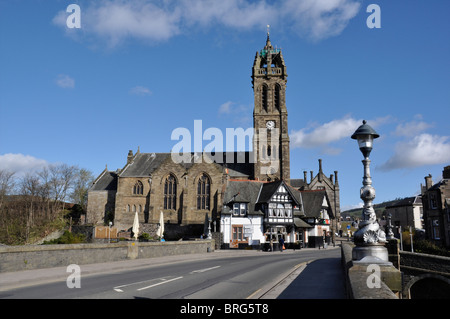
277	97
272	207
238	233
288	210
264	97
203	190
138	188
433	201
280	210
170	193
435	229
239	209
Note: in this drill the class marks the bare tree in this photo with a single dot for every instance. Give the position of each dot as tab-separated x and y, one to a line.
31	190
82	183
7	183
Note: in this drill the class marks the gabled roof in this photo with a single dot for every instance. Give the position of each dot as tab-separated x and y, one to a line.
237	164
297	183
313	202
243	192
408	201
107	181
270	188
144	164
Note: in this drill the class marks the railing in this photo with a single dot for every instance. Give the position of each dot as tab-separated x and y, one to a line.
273	71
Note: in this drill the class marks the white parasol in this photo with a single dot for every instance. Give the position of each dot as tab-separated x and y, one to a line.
160	231
135	226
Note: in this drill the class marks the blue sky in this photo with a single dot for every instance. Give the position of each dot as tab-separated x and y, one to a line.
137	70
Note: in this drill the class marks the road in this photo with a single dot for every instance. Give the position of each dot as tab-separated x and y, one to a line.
217	275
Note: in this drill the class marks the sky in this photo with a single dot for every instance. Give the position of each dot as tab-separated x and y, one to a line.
135	71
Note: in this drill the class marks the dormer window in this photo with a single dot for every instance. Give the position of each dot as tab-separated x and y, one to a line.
240	209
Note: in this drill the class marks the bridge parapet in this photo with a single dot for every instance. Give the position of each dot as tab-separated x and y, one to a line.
417	267
417	263
364	283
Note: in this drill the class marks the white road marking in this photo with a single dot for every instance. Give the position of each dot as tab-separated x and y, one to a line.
160	283
203	270
162	280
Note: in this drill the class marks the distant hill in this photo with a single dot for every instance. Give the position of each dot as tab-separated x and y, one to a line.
379	209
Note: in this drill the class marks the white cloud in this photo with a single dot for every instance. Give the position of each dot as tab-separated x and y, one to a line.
322	136
319	19
65	81
238	112
140	90
411	128
118	20
21	164
318	136
226	108
424	149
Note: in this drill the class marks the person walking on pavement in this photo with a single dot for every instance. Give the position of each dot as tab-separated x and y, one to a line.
281	242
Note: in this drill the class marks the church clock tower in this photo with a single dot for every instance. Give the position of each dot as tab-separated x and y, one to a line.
270	139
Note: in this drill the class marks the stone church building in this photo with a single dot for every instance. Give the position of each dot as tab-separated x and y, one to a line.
248	197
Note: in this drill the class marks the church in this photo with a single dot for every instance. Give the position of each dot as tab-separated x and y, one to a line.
244	198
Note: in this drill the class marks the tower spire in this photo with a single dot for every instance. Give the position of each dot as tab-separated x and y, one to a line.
268	44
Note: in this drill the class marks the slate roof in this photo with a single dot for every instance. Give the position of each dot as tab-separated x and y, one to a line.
239	164
242	192
297	183
106	182
408	201
257	192
312	202
144	164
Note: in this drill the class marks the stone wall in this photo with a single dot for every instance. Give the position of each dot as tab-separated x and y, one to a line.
424	263
18	258
151	202
357	276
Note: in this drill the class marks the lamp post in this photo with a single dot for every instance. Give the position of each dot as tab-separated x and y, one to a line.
369	238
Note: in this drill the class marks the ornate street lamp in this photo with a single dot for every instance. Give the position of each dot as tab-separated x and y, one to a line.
369	238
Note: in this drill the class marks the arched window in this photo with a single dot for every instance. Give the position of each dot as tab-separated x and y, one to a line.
264	97
170	193
138	188
203	189
277	96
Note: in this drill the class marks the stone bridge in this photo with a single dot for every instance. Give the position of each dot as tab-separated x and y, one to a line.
424	276
411	275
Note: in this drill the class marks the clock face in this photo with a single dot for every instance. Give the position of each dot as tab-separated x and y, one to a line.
270	125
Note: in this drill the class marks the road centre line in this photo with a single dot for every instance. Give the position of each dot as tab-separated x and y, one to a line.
160	283
164	280
203	270
118	288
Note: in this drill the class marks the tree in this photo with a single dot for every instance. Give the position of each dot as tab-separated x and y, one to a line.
7	183
82	182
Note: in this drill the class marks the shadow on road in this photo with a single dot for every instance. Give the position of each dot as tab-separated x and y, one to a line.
321	279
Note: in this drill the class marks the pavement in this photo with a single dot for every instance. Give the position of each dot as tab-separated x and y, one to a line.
315	279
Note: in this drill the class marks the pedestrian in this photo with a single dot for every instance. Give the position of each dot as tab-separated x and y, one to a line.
281	242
